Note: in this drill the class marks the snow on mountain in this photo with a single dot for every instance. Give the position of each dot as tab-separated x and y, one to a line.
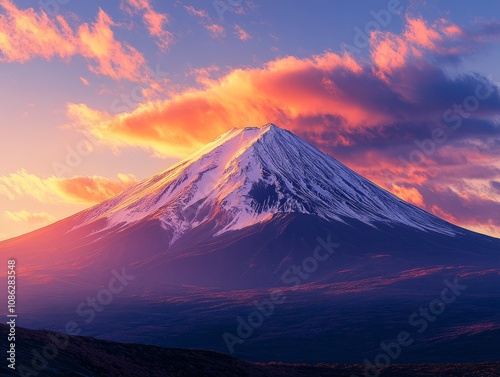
249	175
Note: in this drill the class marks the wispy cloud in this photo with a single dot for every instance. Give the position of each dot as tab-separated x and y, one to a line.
196	13
241	34
154	21
78	189
84	81
216	31
35	218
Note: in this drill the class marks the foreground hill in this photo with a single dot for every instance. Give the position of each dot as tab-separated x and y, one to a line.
84	356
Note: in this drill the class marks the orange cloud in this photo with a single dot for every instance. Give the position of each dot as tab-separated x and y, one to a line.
78	189
241	34
29	217
408	194
25	34
154	21
281	91
94	189
216	31
113	59
436	210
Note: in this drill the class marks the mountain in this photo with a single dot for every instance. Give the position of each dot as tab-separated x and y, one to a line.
258	209
250	175
83	356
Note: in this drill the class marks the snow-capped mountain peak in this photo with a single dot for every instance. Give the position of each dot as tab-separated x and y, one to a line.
249	175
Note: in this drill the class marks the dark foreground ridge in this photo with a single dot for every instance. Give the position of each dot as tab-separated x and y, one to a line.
85	356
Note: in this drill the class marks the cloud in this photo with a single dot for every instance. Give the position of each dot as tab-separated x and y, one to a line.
25	35
241	34
155	22
94	189
472	208
440	41
388	52
78	189
29	217
84	81
439	212
189	119
203	75
398	103
112	58
329	98
419	33
216	31
408	194
197	13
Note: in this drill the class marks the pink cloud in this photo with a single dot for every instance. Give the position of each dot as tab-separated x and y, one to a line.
388	52
216	31
241	34
419	33
155	22
197	13
25	34
84	81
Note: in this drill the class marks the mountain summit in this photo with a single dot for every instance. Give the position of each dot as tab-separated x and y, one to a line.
250	175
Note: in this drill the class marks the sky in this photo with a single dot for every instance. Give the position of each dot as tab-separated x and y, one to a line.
97	96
